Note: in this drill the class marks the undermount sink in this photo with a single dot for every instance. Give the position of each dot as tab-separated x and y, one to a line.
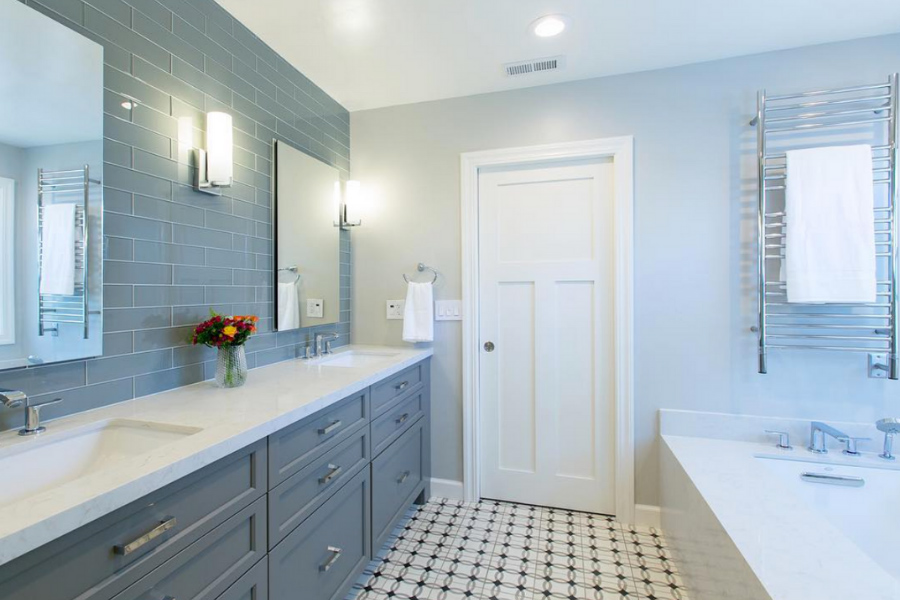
356	358
53	459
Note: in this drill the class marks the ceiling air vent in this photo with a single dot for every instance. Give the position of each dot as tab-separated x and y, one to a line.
539	65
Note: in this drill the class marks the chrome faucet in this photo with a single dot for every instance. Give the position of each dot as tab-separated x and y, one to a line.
817	432
327	338
15	399
889	427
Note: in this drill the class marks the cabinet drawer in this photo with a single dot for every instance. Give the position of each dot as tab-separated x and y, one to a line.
209	566
103	558
391	425
294	500
321	559
397	478
253	585
297	445
394	387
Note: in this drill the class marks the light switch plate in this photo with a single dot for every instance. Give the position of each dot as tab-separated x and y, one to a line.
315	307
448	310
395	309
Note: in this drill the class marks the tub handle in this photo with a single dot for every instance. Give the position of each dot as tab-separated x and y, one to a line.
784	439
842	480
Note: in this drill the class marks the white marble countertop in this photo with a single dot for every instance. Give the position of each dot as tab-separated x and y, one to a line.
274	397
795	552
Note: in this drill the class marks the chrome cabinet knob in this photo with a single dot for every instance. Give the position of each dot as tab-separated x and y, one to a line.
489	346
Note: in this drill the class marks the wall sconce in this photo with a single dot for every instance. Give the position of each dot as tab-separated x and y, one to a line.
215	164
349	213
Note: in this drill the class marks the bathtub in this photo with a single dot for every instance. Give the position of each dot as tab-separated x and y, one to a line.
748	521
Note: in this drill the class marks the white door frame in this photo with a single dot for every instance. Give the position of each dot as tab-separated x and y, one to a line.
621	151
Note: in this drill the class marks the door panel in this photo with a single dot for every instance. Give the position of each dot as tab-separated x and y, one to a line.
546	281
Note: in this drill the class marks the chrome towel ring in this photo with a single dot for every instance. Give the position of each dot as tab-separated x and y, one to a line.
293	270
420	268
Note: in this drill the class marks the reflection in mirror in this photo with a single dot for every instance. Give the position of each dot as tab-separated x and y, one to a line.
307	240
51	162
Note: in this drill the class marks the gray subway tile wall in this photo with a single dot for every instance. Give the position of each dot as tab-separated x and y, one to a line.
170	253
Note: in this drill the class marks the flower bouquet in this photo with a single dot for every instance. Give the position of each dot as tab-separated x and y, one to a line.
228	334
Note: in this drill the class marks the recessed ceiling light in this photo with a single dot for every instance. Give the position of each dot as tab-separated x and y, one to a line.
549	26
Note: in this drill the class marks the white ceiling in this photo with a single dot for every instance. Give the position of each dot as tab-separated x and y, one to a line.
51	81
374	53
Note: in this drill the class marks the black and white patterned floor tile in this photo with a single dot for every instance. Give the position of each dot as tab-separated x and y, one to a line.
449	550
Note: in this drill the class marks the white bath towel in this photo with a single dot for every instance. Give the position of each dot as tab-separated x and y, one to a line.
288	306
830	231
418	314
58	250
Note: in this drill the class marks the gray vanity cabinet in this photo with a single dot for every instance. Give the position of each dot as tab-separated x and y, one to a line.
104	558
294	516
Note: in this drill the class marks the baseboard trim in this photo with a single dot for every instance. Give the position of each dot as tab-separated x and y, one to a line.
646	515
447	488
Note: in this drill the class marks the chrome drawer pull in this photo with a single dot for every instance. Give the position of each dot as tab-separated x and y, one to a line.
335	470
402	479
402	418
402	386
151	535
330	428
335	555
842	480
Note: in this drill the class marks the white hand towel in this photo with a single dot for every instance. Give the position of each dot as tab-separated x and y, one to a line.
58	254
830	230
288	306
418	314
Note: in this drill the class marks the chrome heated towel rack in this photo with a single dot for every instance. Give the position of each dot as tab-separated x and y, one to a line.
54	309
865	114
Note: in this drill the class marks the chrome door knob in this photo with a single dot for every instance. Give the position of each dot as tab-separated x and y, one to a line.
489	346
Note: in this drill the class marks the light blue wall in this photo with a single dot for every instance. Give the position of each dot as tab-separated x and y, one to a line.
694	231
171	252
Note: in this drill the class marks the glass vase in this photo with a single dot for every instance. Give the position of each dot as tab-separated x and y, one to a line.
231	367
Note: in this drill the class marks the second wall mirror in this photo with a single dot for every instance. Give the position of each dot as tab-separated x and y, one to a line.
307	240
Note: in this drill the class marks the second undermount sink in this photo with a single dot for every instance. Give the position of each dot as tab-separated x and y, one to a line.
356	358
33	466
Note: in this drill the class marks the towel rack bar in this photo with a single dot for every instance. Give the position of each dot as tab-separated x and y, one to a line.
810	126
834	304
816	347
828	315
815	336
836	326
781	257
783	156
846	90
831	113
821	103
783	175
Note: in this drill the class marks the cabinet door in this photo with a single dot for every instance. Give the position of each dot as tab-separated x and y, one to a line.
321	559
384	393
397	478
253	585
209	566
103	558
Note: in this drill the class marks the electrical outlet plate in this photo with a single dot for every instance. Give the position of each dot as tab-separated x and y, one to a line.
315	308
395	310
878	365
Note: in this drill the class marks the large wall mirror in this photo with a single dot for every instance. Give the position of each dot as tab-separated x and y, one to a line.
307	240
51	164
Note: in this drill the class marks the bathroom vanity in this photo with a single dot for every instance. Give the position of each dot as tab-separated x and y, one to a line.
330	458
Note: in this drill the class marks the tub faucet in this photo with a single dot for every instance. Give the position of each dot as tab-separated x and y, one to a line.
889	426
817	433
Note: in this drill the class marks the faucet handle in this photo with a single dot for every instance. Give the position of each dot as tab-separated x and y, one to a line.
33	418
851	442
784	439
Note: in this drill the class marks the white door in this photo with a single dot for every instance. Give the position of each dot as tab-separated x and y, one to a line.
546	285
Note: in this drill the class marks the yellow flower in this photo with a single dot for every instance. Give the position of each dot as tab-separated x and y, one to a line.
230	331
